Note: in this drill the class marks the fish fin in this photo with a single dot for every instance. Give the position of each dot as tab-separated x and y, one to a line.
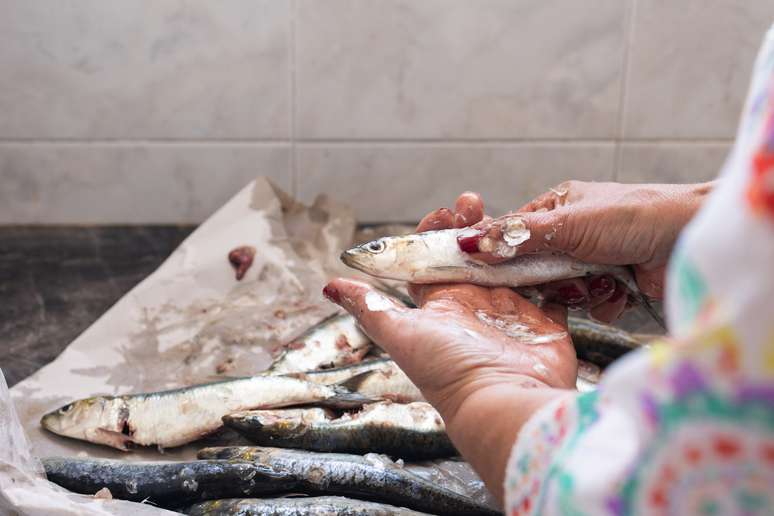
110	438
344	398
354	382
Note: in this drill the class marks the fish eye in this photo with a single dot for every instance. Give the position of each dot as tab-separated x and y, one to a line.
67	408
375	247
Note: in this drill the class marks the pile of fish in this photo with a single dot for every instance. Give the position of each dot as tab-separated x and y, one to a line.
324	432
334	427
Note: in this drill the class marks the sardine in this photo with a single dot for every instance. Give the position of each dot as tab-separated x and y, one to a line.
368	477
435	257
344	373
334	342
379	378
168	484
306	506
179	416
412	431
601	344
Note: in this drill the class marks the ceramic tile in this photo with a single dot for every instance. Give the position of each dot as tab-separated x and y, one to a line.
129	184
690	65
404	182
458	69
144	69
671	163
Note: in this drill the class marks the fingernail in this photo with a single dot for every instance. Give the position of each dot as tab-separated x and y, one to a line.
332	294
570	295
619	292
601	286
468	241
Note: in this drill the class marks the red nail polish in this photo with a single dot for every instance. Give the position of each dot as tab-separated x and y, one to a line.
469	243
332	294
570	295
601	286
619	292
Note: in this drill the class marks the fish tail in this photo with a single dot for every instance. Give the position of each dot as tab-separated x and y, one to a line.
344	398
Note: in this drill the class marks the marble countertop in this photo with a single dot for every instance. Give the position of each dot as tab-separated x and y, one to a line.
56	281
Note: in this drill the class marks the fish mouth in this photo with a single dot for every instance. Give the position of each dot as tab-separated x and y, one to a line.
50	422
349	257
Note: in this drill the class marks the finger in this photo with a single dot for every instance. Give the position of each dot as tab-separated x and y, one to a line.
571	292
545	202
610	310
600	288
441	218
651	282
516	234
557	313
468	210
375	313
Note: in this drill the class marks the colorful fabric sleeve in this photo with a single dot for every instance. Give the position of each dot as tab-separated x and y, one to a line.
685	426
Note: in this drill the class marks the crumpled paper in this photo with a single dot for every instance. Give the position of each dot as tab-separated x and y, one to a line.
189	322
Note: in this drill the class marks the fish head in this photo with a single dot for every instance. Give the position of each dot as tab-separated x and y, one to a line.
396	257
100	420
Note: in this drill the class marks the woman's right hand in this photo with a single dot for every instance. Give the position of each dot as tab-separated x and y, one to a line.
609	223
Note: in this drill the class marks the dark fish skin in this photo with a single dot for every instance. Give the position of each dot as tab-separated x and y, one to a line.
370	477
600	344
167	484
403	436
312	506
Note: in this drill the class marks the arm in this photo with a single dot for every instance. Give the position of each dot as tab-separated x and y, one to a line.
487	423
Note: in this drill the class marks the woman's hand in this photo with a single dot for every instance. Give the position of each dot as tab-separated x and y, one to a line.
610	223
486	358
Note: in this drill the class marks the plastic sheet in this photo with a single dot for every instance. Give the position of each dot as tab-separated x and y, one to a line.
23	485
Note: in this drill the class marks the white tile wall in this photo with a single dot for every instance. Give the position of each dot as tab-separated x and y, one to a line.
458	69
671	162
690	66
144	69
158	110
404	182
134	184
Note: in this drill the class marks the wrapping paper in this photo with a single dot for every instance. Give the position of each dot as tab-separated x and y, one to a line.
189	322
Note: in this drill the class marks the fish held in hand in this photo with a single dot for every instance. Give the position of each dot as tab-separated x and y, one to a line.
305	506
179	416
436	257
410	431
368	477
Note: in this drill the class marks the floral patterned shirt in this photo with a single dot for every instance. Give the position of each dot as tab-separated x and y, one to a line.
685	426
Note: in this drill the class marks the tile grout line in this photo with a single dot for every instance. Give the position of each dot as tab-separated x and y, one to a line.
292	96
419	142
629	22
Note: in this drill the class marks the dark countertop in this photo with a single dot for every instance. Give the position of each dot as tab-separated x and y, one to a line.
56	281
